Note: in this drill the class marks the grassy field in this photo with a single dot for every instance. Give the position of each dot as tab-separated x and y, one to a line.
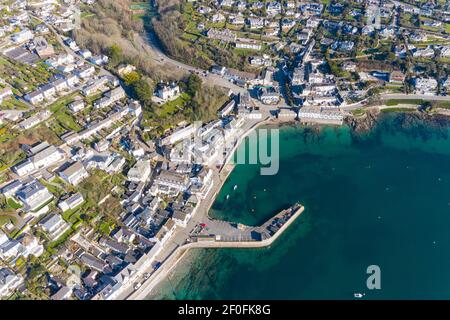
13	204
172	107
358	112
398	110
395	102
23	77
13	104
6	218
441	104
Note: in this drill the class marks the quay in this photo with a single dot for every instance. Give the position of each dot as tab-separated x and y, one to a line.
222	234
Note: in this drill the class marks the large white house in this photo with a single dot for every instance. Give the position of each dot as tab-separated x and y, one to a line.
8	282
167	91
34	195
54	226
42	159
74	173
140	172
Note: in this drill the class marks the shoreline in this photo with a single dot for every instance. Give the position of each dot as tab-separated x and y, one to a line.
177	255
183	250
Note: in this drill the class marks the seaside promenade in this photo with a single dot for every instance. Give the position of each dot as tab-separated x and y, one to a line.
182	239
220	237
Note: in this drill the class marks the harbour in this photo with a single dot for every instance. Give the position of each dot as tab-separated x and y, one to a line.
379	216
222	235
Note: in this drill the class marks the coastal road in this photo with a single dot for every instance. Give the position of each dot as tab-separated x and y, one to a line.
149	42
403	96
397	96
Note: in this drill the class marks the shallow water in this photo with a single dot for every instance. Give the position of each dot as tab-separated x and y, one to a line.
375	199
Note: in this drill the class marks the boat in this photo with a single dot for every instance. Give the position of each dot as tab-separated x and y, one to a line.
235	187
358	295
228	196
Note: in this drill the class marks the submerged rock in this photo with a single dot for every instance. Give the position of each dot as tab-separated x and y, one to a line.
420	122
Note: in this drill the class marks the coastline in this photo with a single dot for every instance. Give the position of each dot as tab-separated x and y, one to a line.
178	255
182	251
221	274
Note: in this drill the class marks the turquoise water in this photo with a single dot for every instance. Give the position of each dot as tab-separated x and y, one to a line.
380	198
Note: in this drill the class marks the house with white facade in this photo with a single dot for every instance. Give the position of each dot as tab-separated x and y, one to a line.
9	281
34	195
140	171
54	226
74	173
71	202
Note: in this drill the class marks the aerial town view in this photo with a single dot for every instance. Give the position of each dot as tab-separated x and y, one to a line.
224	149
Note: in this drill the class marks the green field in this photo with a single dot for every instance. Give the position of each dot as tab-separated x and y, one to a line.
395	102
174	106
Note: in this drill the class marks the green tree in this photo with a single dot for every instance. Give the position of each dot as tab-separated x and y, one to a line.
193	85
115	55
143	91
131	78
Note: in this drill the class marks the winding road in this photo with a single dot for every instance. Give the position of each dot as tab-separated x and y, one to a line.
149	42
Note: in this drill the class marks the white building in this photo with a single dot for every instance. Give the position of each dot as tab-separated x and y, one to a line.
34	120
427	86
34	195
170	183
74	173
165	232
9	281
22	36
47	157
110	97
5	93
314	114
248	44
71	202
179	135
54	226
167	91
140	171
76	106
182	217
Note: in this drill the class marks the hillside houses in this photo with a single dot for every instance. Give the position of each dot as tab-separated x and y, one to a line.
74	173
48	156
33	195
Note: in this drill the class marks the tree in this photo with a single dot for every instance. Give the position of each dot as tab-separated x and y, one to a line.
193	85
131	78
425	106
143	91
115	55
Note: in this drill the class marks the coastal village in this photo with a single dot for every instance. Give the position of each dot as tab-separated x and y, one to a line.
91	208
